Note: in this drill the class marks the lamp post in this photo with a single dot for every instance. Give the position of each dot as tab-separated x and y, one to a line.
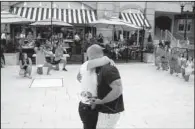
185	14
143	33
194	19
51	22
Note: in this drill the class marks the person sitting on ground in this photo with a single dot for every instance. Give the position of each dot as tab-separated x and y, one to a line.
26	65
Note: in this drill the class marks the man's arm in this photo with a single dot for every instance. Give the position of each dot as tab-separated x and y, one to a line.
112	78
79	77
21	66
115	92
30	61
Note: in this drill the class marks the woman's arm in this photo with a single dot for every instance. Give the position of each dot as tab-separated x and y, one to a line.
30	61
99	62
35	49
79	77
47	53
21	66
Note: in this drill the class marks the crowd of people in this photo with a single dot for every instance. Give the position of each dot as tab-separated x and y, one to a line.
47	55
174	60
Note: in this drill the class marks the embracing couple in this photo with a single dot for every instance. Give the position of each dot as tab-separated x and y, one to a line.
101	91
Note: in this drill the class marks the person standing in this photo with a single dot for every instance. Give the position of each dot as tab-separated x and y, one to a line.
77	43
158	55
109	102
88	79
2	56
100	38
40	57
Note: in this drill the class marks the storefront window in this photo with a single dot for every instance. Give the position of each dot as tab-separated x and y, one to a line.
182	25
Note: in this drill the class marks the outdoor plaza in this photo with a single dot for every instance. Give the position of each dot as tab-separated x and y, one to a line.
152	99
156	69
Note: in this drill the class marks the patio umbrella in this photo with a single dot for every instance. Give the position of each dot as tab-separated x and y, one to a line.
9	18
46	22
114	23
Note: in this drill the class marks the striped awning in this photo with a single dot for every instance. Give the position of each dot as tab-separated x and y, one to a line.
72	16
137	19
8	18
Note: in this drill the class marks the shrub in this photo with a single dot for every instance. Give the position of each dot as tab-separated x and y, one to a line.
149	48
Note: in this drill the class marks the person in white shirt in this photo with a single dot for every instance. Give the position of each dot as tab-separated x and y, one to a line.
189	68
22	35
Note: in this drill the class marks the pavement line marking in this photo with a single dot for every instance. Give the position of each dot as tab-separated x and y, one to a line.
31	82
62	82
61	85
5	122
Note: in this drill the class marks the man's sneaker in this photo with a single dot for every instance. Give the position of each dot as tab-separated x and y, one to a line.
64	69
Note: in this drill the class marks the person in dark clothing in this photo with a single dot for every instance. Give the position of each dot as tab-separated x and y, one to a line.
2	56
100	38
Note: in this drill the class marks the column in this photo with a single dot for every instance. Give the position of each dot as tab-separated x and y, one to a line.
150	15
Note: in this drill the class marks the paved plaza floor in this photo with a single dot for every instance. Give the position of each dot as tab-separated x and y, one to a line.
153	99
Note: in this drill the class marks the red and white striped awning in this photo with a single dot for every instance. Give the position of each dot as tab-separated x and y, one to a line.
72	16
137	19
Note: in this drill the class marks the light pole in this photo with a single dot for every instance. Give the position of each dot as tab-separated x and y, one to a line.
143	33
51	23
185	14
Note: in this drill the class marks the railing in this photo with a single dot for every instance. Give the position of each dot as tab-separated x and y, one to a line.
168	36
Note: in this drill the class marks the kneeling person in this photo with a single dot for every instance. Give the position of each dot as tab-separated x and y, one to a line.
59	57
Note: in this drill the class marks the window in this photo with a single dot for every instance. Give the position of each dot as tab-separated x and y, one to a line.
182	25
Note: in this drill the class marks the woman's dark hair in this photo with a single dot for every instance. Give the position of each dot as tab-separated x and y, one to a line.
37	43
22	55
161	44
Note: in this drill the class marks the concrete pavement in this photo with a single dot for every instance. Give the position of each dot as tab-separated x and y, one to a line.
153	99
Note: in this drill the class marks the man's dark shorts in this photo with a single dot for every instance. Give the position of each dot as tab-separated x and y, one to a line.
55	62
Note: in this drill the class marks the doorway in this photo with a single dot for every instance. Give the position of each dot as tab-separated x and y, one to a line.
163	23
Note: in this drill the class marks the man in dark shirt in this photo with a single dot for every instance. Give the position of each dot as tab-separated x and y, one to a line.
110	99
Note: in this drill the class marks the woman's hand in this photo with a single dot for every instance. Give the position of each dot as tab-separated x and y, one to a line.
79	77
112	62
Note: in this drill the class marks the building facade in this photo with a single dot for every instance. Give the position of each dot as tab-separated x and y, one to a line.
157	13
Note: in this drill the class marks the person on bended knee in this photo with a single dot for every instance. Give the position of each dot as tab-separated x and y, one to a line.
26	64
59	57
